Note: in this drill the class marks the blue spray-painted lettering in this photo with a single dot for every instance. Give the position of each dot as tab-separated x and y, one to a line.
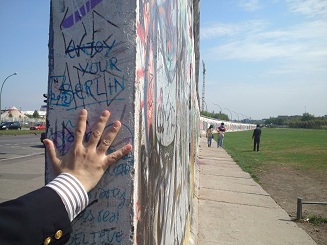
107	216
64	94
117	193
107	65
107	235
89	49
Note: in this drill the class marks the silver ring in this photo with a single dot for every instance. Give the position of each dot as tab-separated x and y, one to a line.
106	142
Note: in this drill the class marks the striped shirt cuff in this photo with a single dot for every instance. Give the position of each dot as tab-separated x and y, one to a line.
72	193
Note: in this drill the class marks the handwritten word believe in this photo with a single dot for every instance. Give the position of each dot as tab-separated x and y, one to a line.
97	237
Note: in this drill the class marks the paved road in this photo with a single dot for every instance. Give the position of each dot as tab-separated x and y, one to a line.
21	165
12	146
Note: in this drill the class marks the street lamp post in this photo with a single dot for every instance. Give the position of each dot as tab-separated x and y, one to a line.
238	118
205	104
219	107
2	87
243	117
231	117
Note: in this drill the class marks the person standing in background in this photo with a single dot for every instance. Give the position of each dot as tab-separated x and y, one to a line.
221	135
209	135
256	138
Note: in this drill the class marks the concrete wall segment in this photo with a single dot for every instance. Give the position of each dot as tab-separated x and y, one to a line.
168	101
92	66
230	126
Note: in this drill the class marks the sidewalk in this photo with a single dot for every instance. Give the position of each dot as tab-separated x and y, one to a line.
234	209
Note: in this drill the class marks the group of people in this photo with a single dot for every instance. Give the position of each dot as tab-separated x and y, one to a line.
221	134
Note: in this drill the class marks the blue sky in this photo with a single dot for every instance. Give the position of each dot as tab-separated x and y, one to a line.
24	27
263	58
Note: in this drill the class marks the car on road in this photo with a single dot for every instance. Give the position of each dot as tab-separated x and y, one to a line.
38	127
10	125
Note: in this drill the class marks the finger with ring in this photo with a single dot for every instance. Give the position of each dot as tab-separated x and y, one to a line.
106	142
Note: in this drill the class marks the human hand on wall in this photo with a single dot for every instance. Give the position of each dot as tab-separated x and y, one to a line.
87	161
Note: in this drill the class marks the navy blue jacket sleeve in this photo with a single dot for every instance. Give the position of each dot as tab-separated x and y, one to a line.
34	218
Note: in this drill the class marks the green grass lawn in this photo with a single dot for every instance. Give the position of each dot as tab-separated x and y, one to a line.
299	148
20	132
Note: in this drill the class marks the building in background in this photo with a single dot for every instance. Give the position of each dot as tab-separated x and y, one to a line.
13	114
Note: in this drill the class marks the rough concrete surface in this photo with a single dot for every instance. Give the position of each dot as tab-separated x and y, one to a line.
234	209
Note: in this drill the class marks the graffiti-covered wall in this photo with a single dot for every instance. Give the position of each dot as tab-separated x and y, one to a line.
167	121
136	59
92	65
230	126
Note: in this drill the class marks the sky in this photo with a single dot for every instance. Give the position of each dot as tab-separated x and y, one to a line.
262	58
24	36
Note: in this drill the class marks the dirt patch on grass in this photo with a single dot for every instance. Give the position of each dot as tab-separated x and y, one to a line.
286	184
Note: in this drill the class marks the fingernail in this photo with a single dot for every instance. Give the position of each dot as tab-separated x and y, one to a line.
128	147
116	124
46	143
83	112
105	113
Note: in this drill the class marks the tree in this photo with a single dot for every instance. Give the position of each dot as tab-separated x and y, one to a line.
220	116
36	114
307	117
276	121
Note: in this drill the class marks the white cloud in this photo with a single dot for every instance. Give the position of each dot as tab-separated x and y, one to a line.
254	50
230	30
249	5
218	30
302	45
310	8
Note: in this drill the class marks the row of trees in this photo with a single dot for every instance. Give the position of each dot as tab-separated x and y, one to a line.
305	121
35	115
219	116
